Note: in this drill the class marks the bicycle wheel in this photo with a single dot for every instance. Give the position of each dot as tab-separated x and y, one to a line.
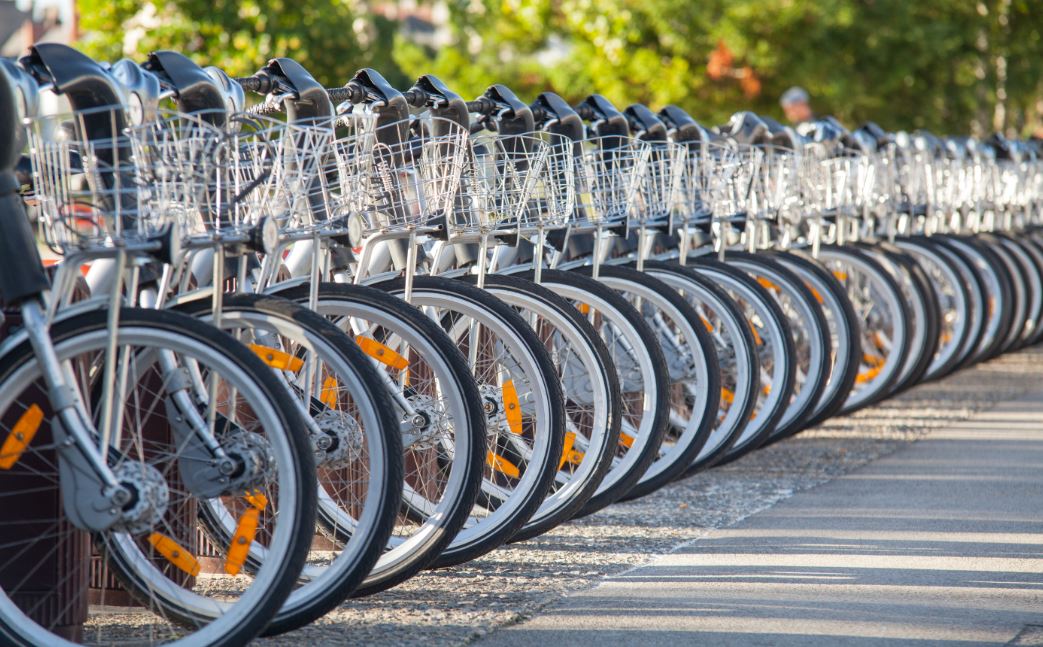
843	330
924	324
437	401
736	358
642	374
694	378
774	346
997	286
357	439
810	331
977	302
884	318
161	421
953	297
1020	289
592	397
1031	257
524	407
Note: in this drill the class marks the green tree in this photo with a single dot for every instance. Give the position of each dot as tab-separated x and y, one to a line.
331	38
947	65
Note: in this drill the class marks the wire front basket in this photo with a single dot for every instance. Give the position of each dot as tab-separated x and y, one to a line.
725	175
91	186
514	183
659	187
396	176
272	169
608	175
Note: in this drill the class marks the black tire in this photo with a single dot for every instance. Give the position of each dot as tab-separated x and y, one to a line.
977	305
1019	283
998	286
453	516
763	422
294	616
806	319
946	282
1034	254
252	621
923	309
602	455
703	293
495	535
880	380
845	331
669	466
616	485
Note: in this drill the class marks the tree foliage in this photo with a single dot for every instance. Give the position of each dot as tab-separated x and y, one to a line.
939	64
946	65
331	38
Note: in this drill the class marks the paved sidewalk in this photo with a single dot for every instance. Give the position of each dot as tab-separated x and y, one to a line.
940	543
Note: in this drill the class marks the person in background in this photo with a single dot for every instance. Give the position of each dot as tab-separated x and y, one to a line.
797	105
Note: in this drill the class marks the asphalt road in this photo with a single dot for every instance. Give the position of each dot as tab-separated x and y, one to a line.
939	543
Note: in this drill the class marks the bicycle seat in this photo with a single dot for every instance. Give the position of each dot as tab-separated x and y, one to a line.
197	91
644	124
442	101
515	117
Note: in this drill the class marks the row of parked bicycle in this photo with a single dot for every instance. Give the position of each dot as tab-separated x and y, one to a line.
298	352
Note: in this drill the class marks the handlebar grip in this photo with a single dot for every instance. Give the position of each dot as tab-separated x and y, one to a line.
351	92
416	98
481	105
260	83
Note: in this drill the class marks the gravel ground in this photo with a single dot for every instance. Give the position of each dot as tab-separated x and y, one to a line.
458	605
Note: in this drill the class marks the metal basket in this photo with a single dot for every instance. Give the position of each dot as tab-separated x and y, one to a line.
608	174
397	176
90	188
516	183
177	156
828	181
344	171
659	186
776	190
272	169
724	177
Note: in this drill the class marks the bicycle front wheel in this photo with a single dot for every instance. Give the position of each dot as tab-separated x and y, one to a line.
54	590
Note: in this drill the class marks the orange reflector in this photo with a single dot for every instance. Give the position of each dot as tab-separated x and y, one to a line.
277	359
767	284
756	335
502	465
20	436
766	389
841	275
256	499
873	360
727	395
381	353
706	324
174	553
869	375
583	308
244	535
626	439
815	293
511	407
567	454
328	395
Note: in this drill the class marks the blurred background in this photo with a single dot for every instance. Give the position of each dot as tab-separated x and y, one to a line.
951	66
